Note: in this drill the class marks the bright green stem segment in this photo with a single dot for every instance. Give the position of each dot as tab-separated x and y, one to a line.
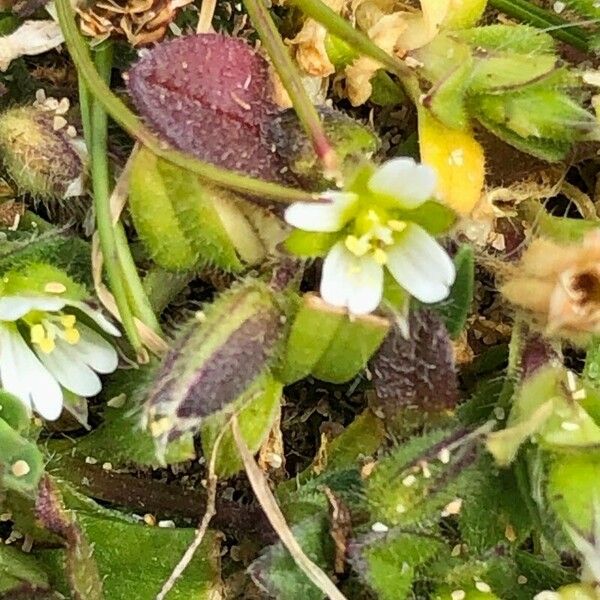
133	125
100	183
341	28
271	38
529	13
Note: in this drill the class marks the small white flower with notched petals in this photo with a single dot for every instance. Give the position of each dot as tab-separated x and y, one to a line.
373	237
60	351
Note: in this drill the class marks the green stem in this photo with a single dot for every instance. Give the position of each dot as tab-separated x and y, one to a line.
106	232
134	126
84	108
139	300
341	28
279	55
538	17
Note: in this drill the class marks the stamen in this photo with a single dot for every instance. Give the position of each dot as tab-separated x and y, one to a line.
38	333
396	225
68	321
72	336
380	256
358	246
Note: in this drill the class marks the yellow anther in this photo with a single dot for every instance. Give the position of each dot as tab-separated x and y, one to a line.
358	246
380	256
396	225
68	321
72	336
38	333
47	345
373	216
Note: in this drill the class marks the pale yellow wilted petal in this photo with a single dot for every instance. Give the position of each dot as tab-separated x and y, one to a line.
464	13
385	34
311	54
458	159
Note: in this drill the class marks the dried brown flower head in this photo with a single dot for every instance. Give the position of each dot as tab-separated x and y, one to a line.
140	21
559	285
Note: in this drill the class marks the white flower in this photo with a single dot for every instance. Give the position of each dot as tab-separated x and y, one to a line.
374	235
44	347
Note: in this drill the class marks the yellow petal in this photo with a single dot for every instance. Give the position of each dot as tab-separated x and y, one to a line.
458	159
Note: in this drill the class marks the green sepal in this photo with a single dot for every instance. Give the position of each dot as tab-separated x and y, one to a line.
199	219
311	244
432	216
325	342
455	309
258	407
154	215
14	413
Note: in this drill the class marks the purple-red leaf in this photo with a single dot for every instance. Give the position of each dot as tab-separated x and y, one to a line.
210	95
417	372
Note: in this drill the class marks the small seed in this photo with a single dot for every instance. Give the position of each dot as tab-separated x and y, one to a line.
452	508
522	580
379	527
444	456
59	122
150	519
168	524
458	595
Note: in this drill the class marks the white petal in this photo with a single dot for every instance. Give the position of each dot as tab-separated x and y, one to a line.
32	37
424	245
351	282
24	376
96	316
330	213
15	307
409	183
421	266
96	351
69	369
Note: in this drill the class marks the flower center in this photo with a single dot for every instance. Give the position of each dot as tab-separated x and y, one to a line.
373	233
45	332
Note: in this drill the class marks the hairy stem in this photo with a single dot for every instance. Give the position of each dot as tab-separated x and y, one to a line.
279	55
134	126
101	187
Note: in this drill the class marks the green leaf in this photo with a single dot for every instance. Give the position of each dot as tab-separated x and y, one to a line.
21	463
14	413
386	92
20	575
258	408
388	563
324	341
135	560
121	440
455	309
493	510
276	572
508	38
502	72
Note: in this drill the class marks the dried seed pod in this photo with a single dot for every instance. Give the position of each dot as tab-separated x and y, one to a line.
559	285
140	21
216	358
43	161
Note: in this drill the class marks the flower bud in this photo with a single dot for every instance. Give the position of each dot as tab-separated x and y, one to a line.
215	359
43	161
573	591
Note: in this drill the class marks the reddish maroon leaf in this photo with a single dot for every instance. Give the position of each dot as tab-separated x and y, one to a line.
210	95
417	372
